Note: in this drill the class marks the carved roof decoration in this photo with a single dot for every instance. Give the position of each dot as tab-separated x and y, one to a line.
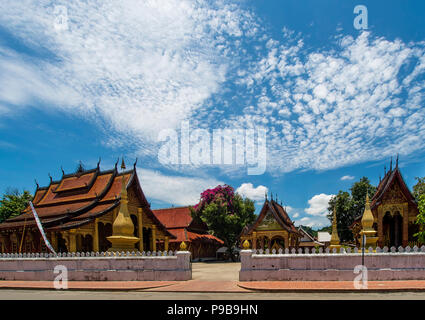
272	210
391	189
79	198
391	183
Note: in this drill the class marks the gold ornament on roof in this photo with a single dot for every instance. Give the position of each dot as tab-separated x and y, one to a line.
183	246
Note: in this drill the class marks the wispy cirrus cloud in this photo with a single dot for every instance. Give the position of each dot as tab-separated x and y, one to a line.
358	100
144	66
141	66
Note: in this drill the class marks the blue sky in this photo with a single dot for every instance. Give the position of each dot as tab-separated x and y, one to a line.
84	80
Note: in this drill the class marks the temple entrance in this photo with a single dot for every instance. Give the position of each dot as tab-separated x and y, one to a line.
393	230
61	243
105	230
84	243
277	243
147	236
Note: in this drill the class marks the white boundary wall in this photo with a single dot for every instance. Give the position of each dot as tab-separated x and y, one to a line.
98	266
384	264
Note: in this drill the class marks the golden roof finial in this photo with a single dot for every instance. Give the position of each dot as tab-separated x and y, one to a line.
183	246
122	164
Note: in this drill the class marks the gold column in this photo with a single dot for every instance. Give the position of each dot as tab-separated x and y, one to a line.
54	240
140	220
154	238
96	236
166	244
254	240
72	241
380	226
286	239
405	238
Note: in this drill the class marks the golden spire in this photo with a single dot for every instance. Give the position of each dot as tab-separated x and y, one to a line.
367	226
122	229
334	238
367	219
122	164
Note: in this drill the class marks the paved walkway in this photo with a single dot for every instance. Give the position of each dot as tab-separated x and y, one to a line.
215	277
331	286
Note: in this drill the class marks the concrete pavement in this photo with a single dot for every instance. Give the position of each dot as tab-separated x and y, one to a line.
213	280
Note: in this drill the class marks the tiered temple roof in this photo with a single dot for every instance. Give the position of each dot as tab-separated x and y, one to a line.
280	215
180	223
390	178
78	198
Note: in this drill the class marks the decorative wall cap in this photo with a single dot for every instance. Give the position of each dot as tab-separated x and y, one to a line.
91	255
343	252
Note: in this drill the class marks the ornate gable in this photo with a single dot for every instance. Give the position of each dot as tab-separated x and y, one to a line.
269	222
394	194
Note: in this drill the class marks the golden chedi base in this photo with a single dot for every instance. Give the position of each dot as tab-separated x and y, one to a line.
122	243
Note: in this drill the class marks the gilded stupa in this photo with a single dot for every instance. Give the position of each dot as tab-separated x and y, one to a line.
123	238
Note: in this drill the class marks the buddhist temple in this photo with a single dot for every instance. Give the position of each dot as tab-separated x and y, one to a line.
78	211
273	229
394	212
308	241
193	232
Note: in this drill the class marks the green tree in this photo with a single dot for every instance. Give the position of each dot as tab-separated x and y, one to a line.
13	203
419	188
344	214
327	229
310	230
350	205
225	214
420	219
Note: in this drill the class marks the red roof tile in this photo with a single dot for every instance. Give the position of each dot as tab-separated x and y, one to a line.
174	217
76	182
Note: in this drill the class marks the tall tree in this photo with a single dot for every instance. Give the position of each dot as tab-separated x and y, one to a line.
342	204
13	203
225	212
350	205
419	188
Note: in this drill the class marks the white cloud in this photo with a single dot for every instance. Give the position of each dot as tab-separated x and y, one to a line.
295	215
319	205
315	222
343	178
140	65
176	190
248	190
351	102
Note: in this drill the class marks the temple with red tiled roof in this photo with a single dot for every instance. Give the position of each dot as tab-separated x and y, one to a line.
193	232
273	229
77	213
394	211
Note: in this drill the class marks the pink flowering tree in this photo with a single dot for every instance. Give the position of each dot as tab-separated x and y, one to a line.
225	212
